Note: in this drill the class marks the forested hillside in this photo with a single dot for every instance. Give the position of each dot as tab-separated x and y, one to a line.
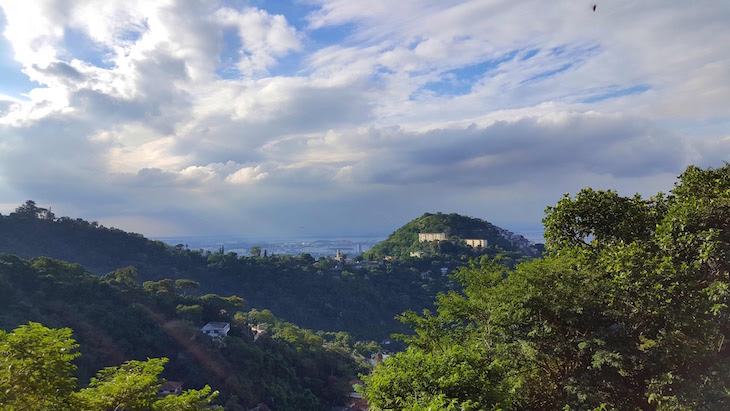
313	294
457	228
299	289
115	319
629	310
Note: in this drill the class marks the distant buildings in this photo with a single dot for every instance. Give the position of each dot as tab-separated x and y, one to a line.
424	237
377	359
216	329
476	243
419	253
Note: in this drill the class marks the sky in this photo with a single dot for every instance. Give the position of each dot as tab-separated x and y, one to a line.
294	118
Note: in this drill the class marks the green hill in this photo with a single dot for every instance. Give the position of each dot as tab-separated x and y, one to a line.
115	318
457	228
312	294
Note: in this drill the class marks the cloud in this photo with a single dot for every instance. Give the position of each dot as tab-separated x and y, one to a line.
247	175
370	112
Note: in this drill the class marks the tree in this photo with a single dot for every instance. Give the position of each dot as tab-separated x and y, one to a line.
186	285
629	310
126	276
133	386
29	210
36	373
164	287
255	251
307	259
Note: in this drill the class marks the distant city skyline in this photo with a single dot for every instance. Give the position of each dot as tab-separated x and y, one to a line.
295	118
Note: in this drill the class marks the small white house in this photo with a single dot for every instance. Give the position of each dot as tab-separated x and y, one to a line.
216	329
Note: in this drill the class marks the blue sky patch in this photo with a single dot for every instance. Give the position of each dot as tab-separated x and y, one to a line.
13	82
232	45
556	51
288	65
459	81
79	46
530	54
549	73
618	93
328	36
294	11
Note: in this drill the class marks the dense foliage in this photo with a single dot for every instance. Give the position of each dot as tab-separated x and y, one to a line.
456	227
36	373
116	320
628	311
312	294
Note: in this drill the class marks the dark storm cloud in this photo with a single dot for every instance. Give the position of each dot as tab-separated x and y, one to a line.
530	148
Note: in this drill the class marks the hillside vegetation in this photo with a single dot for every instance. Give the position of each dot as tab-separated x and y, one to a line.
299	289
116	319
457	228
312	294
629	310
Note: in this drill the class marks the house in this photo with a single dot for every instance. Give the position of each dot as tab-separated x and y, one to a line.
377	359
419	253
476	242
355	384
216	329
170	388
424	237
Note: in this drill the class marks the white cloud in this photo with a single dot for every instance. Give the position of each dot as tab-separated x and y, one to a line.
247	175
148	105
263	37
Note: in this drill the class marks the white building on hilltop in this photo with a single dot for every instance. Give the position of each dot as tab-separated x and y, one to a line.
424	237
476	243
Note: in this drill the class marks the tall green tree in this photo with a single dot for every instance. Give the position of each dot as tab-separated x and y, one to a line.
133	386
629	311
36	373
186	285
36	369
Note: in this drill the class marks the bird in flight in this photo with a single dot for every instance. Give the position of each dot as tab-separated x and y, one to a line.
594	7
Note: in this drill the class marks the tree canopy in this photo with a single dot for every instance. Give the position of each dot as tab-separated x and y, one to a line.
116	320
36	373
628	311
